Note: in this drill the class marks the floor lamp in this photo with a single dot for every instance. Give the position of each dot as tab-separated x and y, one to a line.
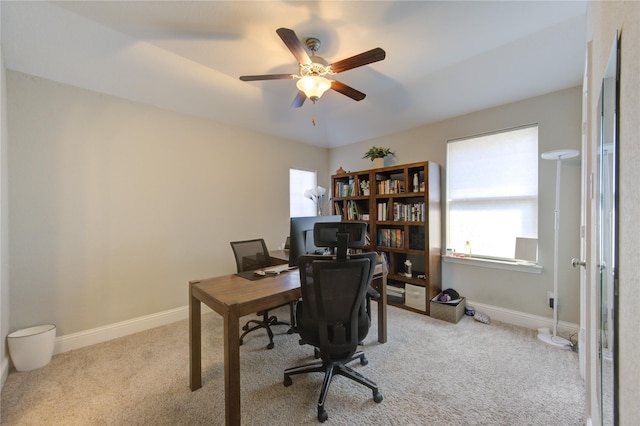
554	339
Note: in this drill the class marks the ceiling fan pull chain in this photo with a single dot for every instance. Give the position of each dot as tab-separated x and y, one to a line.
313	119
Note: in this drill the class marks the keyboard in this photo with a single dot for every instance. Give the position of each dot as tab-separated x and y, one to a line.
278	268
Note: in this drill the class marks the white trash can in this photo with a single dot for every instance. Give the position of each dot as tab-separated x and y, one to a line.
32	347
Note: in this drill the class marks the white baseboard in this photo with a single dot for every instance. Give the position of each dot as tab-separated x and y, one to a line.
534	322
5	370
81	339
102	334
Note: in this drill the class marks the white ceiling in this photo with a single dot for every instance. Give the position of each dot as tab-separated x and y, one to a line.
444	58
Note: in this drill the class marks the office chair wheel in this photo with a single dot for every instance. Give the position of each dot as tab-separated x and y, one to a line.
322	414
270	345
377	397
364	361
287	381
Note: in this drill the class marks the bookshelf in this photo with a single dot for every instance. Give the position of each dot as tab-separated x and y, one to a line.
403	213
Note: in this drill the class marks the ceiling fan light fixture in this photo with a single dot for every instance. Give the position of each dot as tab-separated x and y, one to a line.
312	81
313	86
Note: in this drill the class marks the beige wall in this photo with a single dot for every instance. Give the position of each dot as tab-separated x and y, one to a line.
605	19
114	206
558	116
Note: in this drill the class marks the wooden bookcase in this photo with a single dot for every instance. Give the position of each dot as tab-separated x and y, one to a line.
404	223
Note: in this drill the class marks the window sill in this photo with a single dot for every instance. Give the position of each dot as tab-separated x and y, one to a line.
528	267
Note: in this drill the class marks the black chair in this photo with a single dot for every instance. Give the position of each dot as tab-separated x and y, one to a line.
332	313
251	255
326	234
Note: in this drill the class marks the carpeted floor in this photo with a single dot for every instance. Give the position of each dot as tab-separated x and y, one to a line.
429	372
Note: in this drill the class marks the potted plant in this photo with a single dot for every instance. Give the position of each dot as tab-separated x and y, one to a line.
364	185
377	154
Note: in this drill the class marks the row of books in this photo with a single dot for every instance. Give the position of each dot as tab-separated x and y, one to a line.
354	211
413	212
410	212
391	237
390	186
344	189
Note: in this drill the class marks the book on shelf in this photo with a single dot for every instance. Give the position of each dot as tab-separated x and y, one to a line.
384	211
391	237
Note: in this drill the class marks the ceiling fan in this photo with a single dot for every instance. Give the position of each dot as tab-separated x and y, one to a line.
312	81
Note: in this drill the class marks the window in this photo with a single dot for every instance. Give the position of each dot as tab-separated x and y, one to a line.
492	191
300	181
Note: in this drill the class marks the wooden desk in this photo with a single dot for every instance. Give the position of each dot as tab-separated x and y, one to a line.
380	273
232	297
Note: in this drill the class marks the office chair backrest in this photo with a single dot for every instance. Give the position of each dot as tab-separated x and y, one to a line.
340	235
334	318
251	254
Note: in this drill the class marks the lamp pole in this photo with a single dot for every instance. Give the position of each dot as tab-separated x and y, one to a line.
558	156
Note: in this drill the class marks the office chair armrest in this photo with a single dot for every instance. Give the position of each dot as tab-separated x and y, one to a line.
371	292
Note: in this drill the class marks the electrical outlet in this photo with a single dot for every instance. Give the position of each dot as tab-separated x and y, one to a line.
550	299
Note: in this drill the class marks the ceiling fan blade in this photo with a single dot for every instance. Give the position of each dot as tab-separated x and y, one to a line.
347	90
299	99
295	46
267	77
373	55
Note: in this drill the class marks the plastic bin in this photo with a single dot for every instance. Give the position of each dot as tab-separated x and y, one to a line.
32	347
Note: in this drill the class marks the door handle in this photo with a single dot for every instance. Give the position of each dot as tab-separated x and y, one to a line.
576	262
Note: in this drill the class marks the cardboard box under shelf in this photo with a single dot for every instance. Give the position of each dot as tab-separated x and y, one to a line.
446	311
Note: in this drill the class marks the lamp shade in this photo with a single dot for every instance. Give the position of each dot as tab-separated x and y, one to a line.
313	86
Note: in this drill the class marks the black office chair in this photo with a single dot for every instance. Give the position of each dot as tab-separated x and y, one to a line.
251	255
331	315
327	235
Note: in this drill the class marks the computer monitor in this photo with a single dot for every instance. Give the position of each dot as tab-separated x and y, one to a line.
340	236
301	236
326	234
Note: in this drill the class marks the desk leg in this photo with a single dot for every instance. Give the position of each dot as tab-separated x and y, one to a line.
232	365
195	344
382	310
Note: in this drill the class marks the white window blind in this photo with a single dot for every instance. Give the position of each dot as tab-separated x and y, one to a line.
300	181
492	191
